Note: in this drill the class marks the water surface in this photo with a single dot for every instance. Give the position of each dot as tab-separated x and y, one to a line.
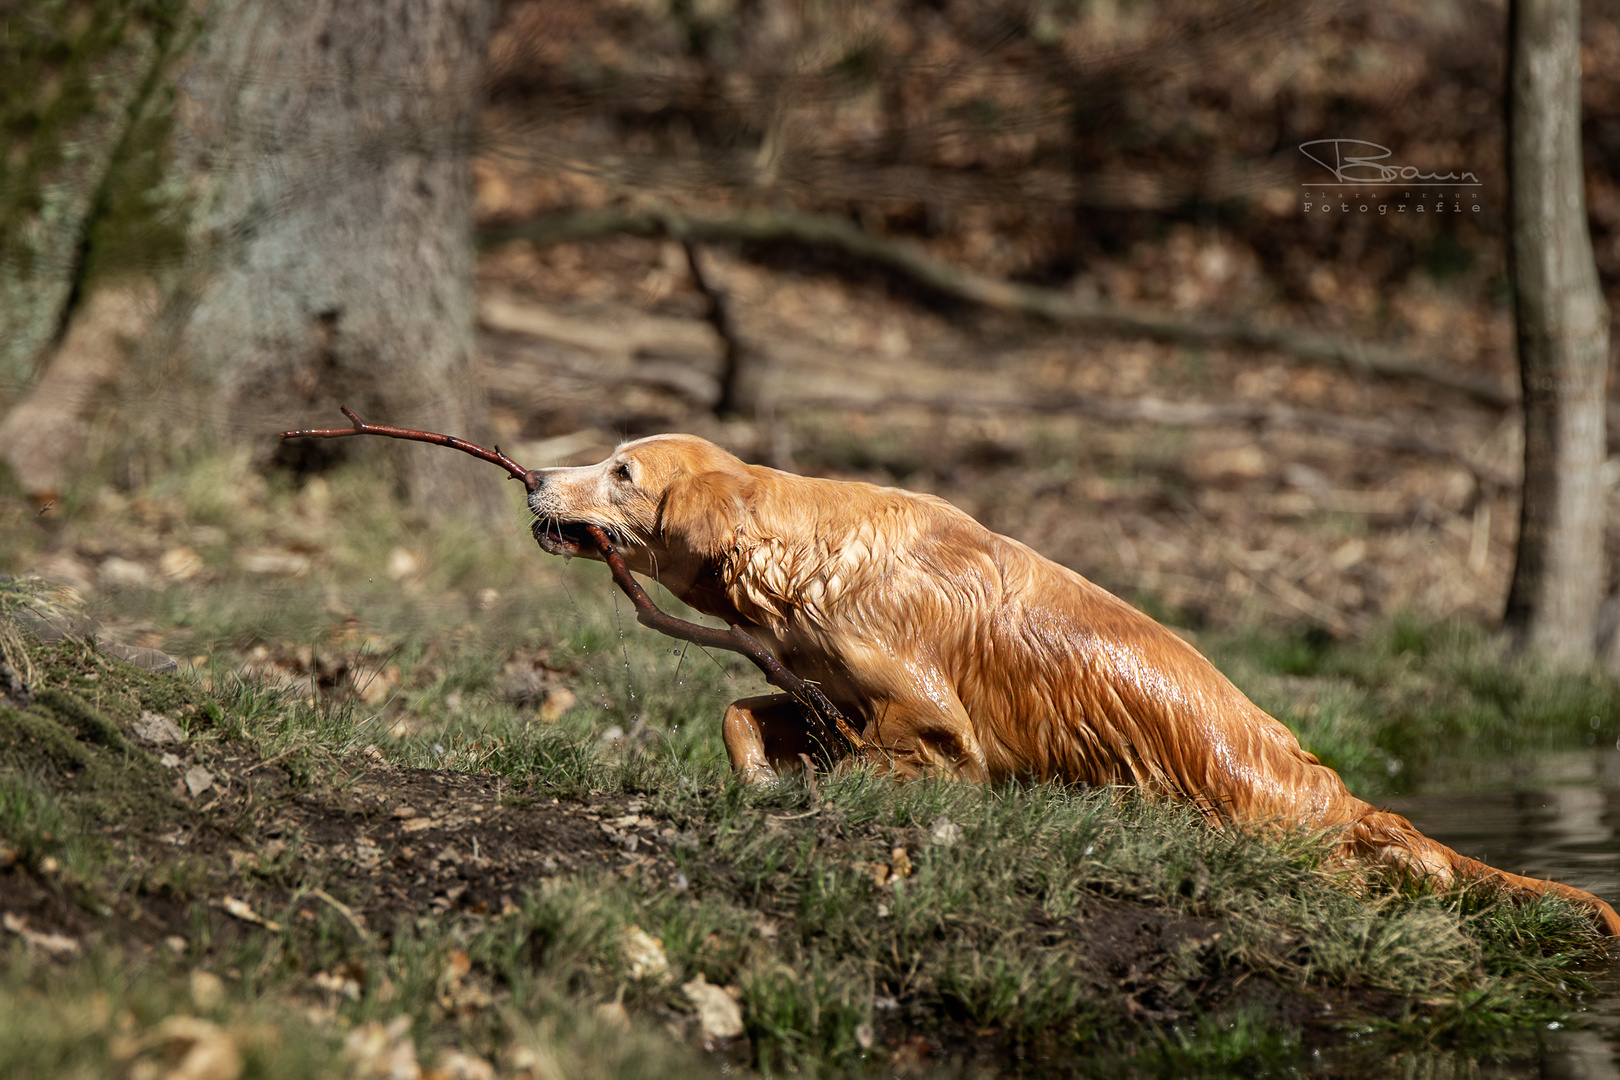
1553	816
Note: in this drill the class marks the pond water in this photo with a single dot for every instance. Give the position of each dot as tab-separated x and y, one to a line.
1553	816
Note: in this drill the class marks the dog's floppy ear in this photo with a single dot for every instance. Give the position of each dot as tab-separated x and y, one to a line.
705	512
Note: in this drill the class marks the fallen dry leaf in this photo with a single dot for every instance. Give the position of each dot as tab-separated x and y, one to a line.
719	1015
403	563
242	911
614	1014
180	564
644	954
337	985
271	561
55	944
382	1052
209	1053
207	990
460	1065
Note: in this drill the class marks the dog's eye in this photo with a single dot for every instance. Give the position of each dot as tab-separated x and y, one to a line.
622	472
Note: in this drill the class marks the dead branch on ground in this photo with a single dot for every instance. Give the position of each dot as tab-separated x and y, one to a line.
1200	414
719	317
733	639
817	230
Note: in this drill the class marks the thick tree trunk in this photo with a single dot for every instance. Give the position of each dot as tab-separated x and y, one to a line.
335	227
1563	338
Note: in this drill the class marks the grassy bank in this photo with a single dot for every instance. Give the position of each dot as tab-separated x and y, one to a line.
460	810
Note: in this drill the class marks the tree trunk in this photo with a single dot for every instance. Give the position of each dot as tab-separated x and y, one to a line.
76	83
1562	327
334	234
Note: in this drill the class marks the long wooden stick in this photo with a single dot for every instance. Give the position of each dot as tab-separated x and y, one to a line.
529	477
733	639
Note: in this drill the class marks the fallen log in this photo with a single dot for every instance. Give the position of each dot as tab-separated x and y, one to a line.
911	261
734	638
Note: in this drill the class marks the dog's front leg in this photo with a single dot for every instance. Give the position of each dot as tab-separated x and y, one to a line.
920	735
763	733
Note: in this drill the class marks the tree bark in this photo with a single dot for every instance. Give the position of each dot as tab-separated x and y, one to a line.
1562	326
75	85
333	235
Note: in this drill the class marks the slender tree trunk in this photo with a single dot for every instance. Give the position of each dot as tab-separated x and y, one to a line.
334	235
1562	326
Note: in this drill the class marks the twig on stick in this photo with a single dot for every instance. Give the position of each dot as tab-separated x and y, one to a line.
733	639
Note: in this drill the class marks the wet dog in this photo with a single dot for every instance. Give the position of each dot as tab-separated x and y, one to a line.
962	652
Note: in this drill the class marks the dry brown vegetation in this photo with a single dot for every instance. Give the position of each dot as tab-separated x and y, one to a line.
1140	156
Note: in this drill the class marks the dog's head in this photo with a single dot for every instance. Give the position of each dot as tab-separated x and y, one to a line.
669	503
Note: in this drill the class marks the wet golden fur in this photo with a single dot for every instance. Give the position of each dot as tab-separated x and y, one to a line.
961	651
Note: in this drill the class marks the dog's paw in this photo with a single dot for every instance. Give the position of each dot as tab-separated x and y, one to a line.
760	776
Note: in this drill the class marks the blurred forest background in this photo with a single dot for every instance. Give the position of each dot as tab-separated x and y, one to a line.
1059	262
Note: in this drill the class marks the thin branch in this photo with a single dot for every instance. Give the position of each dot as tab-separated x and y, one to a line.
528	476
818	230
734	638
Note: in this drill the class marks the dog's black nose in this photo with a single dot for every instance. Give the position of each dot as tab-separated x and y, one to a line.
533	480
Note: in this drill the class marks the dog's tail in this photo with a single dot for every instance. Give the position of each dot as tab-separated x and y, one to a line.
1390	839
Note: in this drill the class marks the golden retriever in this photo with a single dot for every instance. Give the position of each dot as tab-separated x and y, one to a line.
962	652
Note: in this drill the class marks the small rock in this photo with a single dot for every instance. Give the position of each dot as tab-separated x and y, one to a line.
153	660
158	729
198	780
719	1015
169	761
944	831
123	574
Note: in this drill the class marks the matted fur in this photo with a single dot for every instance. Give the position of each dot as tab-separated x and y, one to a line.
961	651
